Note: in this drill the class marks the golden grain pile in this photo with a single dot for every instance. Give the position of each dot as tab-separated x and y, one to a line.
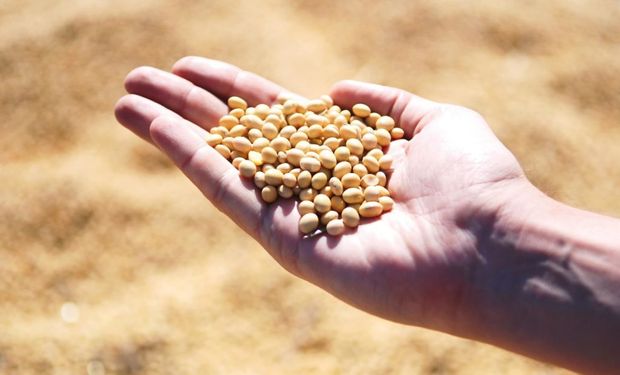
330	158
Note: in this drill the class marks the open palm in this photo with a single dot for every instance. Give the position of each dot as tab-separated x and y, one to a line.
414	264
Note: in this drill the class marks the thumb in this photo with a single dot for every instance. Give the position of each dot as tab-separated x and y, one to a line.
408	110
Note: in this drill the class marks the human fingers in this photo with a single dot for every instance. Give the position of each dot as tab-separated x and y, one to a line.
226	80
408	110
274	226
177	94
136	113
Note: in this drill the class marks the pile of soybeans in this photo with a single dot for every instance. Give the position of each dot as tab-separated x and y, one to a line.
330	158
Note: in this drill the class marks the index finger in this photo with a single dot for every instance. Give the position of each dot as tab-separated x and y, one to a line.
225	80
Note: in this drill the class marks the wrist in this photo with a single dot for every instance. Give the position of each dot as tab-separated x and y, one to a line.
544	281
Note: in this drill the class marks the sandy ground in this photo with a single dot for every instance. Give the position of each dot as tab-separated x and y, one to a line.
98	228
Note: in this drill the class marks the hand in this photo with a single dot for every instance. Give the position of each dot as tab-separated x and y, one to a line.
415	264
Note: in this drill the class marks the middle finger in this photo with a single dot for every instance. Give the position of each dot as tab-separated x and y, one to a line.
177	94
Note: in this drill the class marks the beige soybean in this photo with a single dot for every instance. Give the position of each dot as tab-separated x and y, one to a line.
269	155
308	223
360	170
289	180
228	121
348	132
296	120
340	120
269	194
355	146
372	193
262	110
328	216
251	121
283	97
284	167
330	131
371	164
383	191
319	180
342	153
383	137
370	209
213	139
375	153
310	164
303	146
327	190
238	131
273	177
274	119
350	217
307	194
242	144
322	203
305	207
253	135
371	120
237	102
259	144
237	112
223	150
294	155
298	137
269	130
353	195
338	204
304	179
350	180
369	141
336	185
385	122
382	178
219	130
255	157
328	159
386	202
336	227
315	131
289	107
385	163
361	110
287	131
247	169
397	133
237	154
285	191
259	179
341	169
237	161
280	144
369	180
327	100
356	206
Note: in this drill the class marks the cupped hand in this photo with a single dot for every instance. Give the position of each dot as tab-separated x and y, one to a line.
416	264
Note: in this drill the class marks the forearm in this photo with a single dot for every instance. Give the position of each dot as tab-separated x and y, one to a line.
549	283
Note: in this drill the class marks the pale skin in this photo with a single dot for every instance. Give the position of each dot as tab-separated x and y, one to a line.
471	248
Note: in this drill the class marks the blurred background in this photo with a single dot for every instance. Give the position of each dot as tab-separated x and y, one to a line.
112	263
